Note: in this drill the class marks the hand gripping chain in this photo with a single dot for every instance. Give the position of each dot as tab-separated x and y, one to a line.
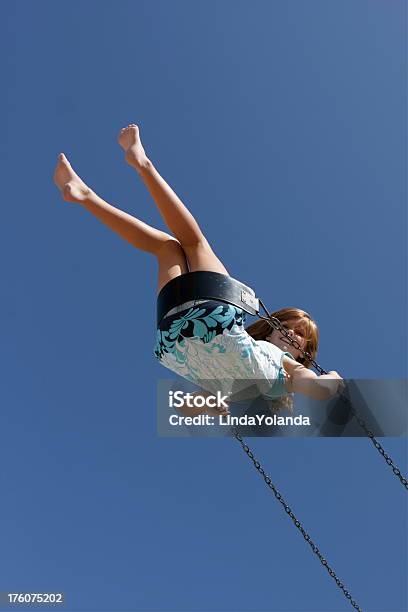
276	324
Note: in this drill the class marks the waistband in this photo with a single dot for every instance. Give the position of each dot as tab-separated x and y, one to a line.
199	286
184	307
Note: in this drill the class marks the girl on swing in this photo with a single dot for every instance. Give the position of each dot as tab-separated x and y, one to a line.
204	340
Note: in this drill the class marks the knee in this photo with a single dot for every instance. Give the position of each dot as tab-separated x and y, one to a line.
170	248
171	253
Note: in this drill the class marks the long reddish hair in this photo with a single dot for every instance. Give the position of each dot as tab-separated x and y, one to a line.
261	329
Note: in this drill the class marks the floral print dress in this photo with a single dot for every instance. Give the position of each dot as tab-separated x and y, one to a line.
206	343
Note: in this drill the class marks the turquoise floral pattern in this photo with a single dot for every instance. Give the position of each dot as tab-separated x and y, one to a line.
197	322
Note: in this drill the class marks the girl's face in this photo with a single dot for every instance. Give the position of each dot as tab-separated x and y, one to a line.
297	329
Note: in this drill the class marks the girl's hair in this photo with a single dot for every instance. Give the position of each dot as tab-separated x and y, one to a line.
261	329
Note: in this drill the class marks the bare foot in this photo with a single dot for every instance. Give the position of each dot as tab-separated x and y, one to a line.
73	189
130	142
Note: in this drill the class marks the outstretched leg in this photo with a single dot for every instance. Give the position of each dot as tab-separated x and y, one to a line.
175	214
168	251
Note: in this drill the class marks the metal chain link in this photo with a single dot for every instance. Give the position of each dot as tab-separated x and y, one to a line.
276	324
296	522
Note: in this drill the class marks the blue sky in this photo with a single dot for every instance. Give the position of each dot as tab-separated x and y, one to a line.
282	125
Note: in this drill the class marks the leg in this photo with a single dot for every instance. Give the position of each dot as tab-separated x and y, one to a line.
138	233
175	214
168	251
170	255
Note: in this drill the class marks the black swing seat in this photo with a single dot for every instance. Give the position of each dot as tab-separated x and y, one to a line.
202	285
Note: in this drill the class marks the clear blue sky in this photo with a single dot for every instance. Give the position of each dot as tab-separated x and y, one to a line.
282	125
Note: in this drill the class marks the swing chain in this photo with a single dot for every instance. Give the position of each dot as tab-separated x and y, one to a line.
296	522
377	445
276	324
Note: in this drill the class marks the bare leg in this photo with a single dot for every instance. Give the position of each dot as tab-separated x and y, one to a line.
168	251
172	262
175	214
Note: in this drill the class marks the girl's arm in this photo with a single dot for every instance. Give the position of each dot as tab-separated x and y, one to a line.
308	383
